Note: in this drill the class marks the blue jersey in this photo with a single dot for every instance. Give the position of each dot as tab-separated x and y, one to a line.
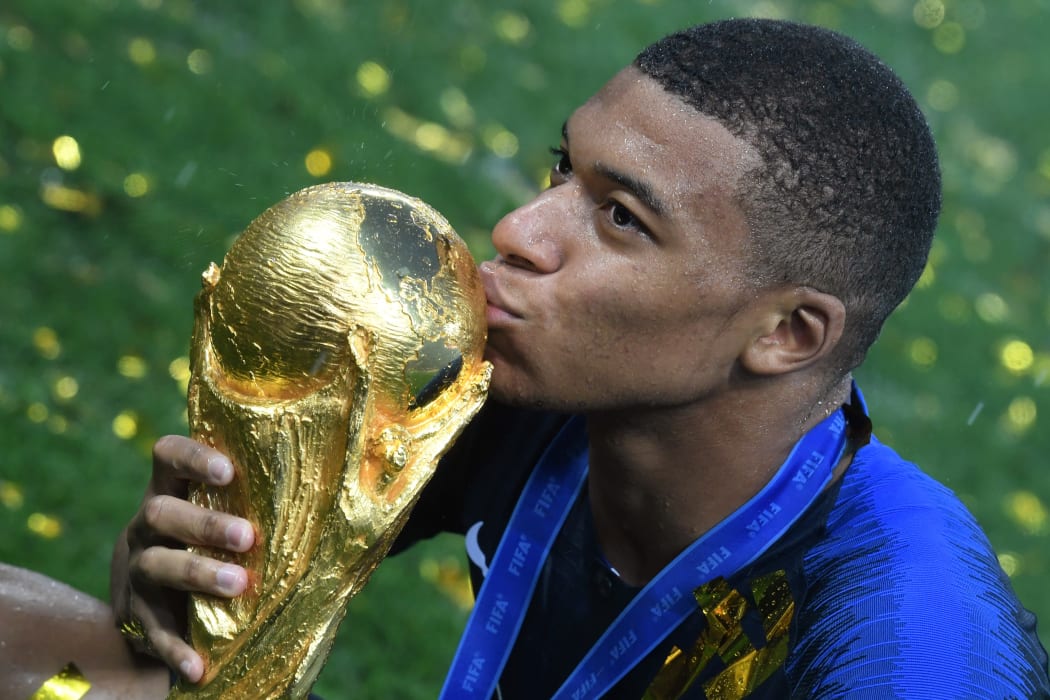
886	587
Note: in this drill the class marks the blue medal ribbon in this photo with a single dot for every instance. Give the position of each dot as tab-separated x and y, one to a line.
665	601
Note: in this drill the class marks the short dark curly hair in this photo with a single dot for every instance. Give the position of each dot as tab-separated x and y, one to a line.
848	194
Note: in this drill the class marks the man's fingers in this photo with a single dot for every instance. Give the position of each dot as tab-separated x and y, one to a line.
177	654
179	459
186	571
171	518
162	637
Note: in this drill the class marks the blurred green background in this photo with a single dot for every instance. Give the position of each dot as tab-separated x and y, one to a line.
137	137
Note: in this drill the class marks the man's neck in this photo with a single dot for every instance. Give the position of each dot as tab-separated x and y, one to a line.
661	478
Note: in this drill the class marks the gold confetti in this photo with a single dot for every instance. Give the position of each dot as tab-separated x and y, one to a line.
1011	563
318	162
37	412
65	388
451	578
949	37
1020	415
923	352
199	61
45	526
500	141
126	425
11	495
45	340
67	684
574	13
512	27
10	218
928	14
132	367
136	185
1027	510
1017	356
67	152
141	51
373	78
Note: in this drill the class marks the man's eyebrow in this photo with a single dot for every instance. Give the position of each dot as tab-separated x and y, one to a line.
639	188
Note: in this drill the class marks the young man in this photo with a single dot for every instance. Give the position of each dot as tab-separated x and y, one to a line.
672	326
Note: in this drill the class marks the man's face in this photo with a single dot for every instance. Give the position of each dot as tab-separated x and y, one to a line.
624	284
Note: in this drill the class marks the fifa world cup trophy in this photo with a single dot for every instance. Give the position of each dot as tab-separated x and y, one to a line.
337	354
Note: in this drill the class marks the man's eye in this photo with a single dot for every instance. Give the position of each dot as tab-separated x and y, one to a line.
622	216
562	164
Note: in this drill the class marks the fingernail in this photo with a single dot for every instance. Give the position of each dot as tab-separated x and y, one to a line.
230	579
239	536
220	470
186	668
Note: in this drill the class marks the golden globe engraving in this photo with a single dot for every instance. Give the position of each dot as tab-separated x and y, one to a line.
336	356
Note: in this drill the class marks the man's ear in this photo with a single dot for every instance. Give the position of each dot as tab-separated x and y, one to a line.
802	327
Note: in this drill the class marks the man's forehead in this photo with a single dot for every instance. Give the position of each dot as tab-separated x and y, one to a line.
633	119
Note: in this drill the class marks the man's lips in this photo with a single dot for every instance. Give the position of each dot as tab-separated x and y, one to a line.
497	310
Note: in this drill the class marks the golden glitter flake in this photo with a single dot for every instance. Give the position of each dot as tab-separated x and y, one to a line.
65	388
943	95
70	199
512	27
927	278
199	61
500	141
136	185
45	340
67	684
574	13
429	137
37	412
746	667
45	526
318	162
132	367
991	308
451	578
923	352
457	108
1017	356
126	425
1010	562
1020	415
769	10
179	369
67	152
10	218
11	495
928	14
141	51
949	38
373	78
1027	511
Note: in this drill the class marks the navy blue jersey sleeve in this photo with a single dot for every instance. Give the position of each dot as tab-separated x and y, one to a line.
905	598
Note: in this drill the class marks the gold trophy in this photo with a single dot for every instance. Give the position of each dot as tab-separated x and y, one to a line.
337	354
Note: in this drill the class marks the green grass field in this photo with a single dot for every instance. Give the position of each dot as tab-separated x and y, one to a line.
138	137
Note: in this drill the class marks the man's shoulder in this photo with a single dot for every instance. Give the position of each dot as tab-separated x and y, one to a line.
885	496
895	530
904	588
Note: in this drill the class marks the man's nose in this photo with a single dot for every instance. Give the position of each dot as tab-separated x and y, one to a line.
531	237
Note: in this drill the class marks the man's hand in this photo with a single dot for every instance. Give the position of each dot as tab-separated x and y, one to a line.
151	569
